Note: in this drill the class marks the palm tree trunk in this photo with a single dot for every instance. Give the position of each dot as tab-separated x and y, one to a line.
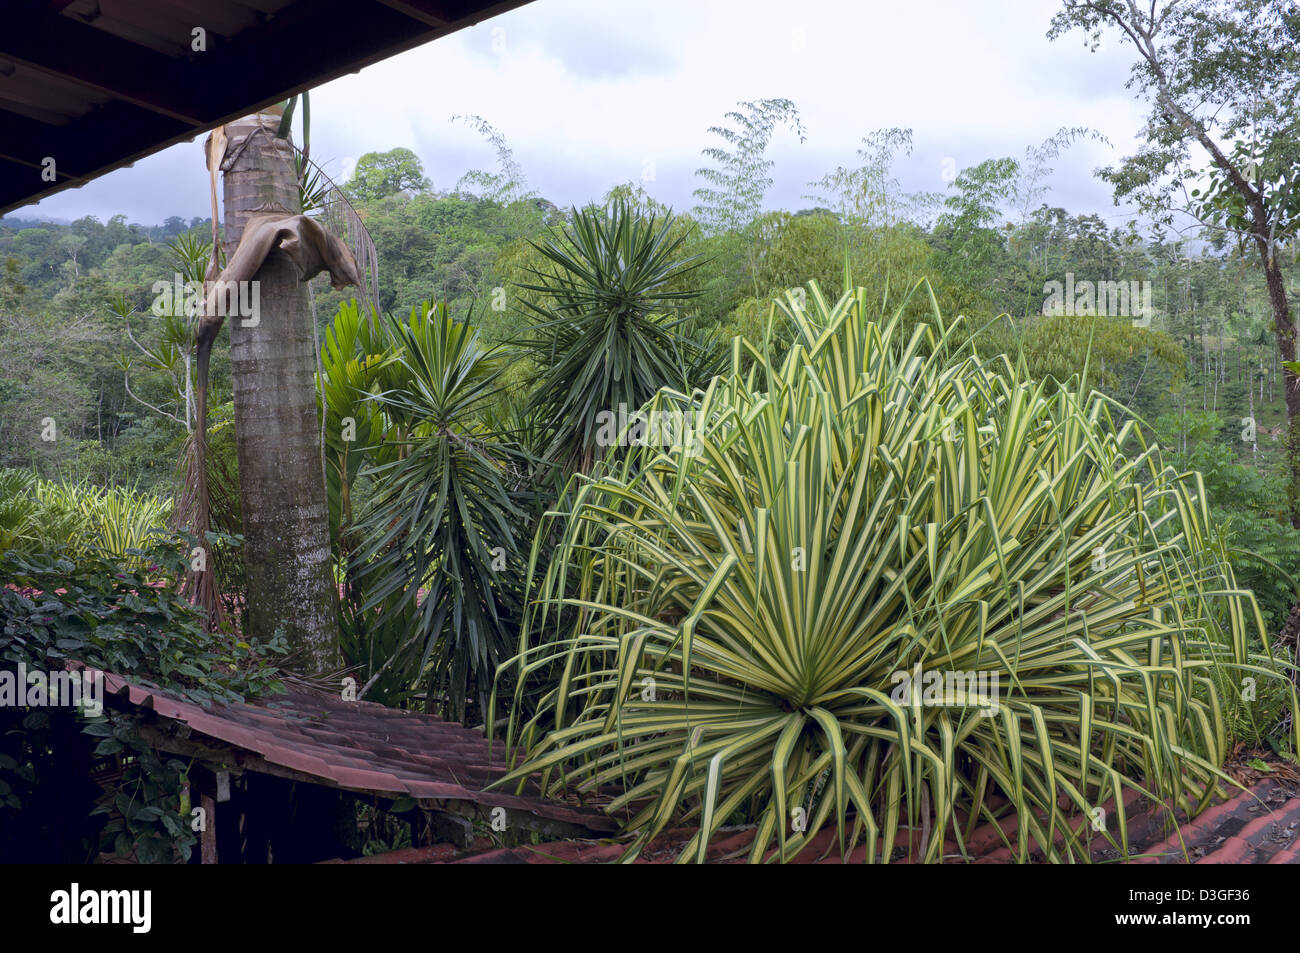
282	490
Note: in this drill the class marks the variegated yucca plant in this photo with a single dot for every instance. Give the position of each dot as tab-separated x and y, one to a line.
726	622
112	519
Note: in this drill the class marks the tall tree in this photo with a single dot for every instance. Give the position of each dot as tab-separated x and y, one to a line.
505	186
378	174
733	197
273	363
731	202
870	196
1222	80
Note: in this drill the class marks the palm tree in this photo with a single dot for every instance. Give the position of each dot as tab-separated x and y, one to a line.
273	365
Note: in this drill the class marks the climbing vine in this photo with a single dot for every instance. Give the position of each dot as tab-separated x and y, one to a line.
110	617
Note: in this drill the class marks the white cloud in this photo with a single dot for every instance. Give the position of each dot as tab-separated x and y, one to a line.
587	93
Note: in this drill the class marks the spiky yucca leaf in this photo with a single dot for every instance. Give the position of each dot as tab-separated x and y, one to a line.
433	541
607	335
19	509
736	613
113	519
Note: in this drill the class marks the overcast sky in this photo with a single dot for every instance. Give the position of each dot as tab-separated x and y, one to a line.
591	93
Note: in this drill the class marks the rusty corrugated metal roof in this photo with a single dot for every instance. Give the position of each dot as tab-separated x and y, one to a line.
1258	825
362	747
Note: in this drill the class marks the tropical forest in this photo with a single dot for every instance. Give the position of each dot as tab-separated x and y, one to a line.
888	523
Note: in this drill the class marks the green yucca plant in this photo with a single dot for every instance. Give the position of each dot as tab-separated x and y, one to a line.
746	625
607	334
437	538
123	519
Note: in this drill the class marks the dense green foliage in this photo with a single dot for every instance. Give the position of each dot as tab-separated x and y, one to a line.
445	516
603	337
69	295
98	611
735	611
938	469
77	518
